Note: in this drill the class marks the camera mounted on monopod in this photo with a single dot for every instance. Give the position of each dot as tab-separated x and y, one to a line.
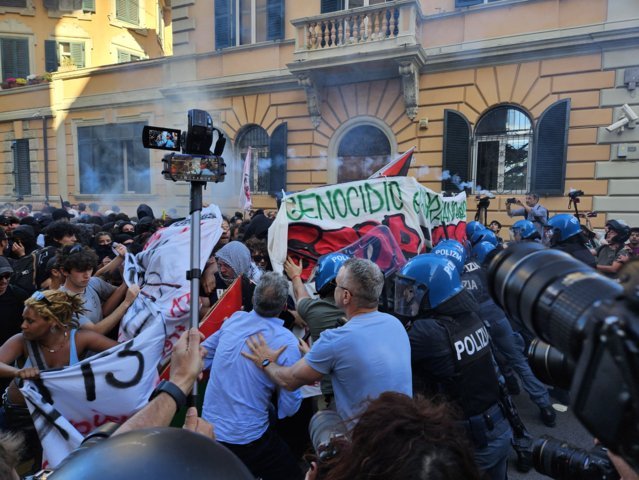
196	163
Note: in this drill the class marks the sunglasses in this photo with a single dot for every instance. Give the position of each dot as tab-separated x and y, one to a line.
5	276
258	258
41	297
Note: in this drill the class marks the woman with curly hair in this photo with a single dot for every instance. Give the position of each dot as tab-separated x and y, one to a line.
402	438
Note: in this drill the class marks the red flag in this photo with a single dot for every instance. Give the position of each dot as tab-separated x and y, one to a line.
397	168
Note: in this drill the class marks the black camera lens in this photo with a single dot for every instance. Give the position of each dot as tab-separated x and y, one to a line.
562	461
550	365
549	291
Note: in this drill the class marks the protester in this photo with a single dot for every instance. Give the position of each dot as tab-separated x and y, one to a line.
428	290
531	209
610	257
367	356
401	438
258	226
238	397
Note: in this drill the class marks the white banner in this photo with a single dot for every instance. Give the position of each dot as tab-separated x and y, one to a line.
68	403
245	193
160	270
316	221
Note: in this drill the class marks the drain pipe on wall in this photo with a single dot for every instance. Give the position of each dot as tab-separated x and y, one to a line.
46	158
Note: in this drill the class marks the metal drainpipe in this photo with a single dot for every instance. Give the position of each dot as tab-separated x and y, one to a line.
46	158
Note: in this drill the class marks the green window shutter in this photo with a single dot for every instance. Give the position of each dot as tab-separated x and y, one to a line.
224	24
123	57
128	11
15	58
88	6
77	54
51	60
332	6
467	3
275	20
21	167
13	3
548	170
456	154
279	148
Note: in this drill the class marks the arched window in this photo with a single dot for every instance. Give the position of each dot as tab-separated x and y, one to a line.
256	137
502	151
362	150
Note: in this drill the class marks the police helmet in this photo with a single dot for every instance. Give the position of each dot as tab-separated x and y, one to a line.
327	267
484	235
525	230
426	281
162	452
484	251
564	226
453	250
621	229
472	227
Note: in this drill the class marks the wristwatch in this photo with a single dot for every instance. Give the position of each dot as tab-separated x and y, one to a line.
171	389
265	363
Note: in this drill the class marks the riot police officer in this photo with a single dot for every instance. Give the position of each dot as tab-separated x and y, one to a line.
524	231
451	354
563	232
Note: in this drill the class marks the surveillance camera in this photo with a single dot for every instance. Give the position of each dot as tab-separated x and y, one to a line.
629	113
618	125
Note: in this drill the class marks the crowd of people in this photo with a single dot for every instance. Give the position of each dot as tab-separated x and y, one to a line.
420	391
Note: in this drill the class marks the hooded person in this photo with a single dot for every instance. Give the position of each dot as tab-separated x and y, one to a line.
25	237
144	211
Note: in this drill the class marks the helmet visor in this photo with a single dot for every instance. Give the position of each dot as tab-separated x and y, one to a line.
408	296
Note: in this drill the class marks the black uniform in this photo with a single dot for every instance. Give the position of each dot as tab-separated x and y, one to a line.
577	249
451	356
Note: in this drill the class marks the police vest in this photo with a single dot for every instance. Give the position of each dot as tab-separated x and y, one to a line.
474	385
474	281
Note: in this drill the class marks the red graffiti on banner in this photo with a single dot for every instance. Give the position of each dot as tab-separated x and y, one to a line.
87	426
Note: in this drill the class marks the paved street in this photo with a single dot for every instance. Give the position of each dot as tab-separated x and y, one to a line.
568	429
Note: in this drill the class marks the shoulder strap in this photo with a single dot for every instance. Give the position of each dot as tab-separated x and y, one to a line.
36	355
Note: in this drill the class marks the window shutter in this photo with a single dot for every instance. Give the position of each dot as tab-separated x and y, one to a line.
77	54
51	60
456	154
332	6
14	3
15	58
128	11
21	167
88	6
550	148
279	148
467	3
224	24
275	23
123	57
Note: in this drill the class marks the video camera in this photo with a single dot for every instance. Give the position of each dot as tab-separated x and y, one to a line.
575	193
196	163
510	201
592	323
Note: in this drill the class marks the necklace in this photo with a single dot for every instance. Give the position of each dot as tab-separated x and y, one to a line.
53	350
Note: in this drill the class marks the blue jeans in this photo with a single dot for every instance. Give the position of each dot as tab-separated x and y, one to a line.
493	458
510	346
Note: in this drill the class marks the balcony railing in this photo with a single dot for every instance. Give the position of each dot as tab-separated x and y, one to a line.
358	26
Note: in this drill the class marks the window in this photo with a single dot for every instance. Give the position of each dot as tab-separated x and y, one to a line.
508	153
124	57
362	151
502	151
63	53
336	5
88	6
113	160
268	158
13	3
243	22
14	56
21	167
128	11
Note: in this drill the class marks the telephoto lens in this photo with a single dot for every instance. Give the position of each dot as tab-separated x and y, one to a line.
550	365
327	430
562	461
548	290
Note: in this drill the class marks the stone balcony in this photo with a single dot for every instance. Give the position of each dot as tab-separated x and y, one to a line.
361	44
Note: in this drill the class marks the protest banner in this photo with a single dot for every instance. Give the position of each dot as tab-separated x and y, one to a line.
160	270
321	220
68	403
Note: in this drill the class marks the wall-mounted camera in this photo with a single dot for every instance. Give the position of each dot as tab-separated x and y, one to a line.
627	119
196	163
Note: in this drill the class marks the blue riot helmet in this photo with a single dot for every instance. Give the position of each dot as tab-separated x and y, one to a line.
484	251
453	250
472	227
562	227
484	235
523	230
426	280
327	267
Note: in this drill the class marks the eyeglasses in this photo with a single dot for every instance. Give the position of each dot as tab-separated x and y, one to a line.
345	289
5	276
258	258
41	297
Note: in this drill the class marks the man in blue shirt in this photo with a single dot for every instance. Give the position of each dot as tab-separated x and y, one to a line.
531	210
238	397
367	356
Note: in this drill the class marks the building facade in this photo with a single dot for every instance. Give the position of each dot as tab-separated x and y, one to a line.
502	96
